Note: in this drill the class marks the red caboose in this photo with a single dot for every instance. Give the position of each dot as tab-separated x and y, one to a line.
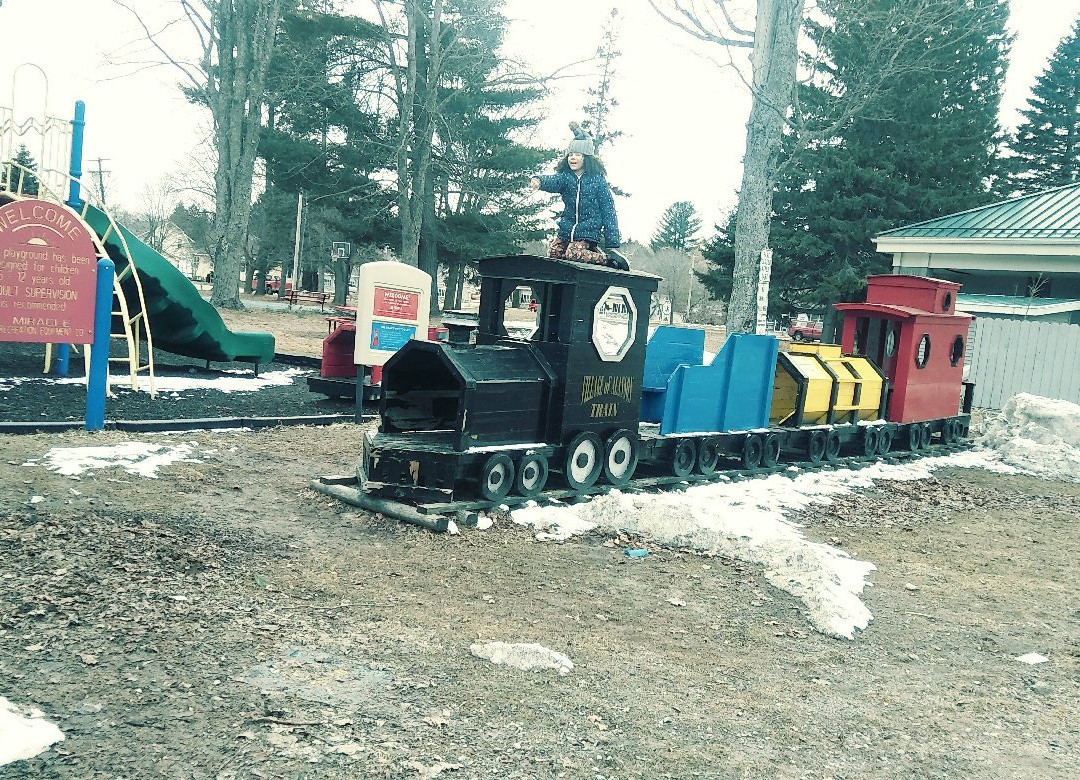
909	327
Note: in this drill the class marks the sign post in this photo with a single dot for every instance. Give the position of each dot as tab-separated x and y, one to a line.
764	274
99	352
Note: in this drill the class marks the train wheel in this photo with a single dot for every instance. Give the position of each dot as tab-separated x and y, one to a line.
884	441
870	441
496	477
832	446
751	452
914	437
620	457
684	458
532	474
815	448
584	460
707	456
947	432
770	451
926	436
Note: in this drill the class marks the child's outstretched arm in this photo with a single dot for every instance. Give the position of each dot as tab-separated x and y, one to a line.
552	183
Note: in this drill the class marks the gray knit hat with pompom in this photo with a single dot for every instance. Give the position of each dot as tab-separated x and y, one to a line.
582	143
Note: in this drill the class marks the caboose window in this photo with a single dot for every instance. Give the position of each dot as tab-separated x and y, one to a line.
890	340
922	352
862	332
957	351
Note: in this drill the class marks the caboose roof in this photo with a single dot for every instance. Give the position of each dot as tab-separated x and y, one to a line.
900	312
532	268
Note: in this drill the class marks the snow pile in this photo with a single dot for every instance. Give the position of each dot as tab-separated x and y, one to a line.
745	521
1038	436
139	458
522	656
23	736
237	381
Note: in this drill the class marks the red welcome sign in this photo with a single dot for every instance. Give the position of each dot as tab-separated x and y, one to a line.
399	304
48	274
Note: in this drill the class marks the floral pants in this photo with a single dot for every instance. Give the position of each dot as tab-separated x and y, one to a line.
579	251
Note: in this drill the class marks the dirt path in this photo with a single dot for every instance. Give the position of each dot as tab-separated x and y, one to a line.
222	621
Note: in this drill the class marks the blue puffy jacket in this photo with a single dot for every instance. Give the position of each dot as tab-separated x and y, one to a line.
589	213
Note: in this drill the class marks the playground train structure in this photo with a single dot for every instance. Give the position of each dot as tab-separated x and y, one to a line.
588	401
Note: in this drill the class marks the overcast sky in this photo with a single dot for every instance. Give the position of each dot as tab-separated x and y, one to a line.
684	117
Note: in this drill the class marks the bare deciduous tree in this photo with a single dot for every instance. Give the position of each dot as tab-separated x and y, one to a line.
235	41
774	56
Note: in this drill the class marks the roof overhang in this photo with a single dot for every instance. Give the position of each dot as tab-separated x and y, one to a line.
1012	305
1056	247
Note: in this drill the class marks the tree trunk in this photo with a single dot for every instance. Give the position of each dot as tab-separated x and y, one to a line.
429	252
342	275
774	60
454	276
245	31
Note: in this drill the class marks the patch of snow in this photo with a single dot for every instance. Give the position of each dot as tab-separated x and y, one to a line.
1032	658
235	381
139	458
522	656
746	521
24	734
1037	436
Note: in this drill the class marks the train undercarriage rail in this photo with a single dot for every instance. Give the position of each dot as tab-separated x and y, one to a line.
514	476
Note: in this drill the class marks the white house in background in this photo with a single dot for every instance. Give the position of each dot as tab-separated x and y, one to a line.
1016	259
178	249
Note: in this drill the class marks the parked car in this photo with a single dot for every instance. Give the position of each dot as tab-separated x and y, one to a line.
805	330
272	287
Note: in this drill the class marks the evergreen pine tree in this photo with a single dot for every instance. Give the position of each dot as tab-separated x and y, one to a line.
677	227
920	148
22	179
1046	145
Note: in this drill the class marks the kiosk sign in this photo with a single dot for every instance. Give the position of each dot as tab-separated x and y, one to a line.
48	274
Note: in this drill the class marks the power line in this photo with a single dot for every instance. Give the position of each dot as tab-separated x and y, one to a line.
100	173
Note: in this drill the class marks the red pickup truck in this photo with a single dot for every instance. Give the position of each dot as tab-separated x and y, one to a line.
805	330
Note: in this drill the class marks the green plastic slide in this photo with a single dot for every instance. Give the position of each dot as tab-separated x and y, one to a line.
181	320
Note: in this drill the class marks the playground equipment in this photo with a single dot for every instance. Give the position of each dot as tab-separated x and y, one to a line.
153	304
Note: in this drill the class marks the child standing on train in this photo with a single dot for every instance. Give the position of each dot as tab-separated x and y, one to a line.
588	219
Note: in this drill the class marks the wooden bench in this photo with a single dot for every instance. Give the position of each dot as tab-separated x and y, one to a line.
295	297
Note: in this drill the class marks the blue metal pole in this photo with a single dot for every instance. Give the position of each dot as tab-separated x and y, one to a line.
63	351
99	353
77	126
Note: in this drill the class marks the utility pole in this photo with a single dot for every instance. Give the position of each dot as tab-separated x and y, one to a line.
296	243
689	291
101	178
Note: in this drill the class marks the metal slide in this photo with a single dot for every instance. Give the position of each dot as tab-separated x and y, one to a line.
181	320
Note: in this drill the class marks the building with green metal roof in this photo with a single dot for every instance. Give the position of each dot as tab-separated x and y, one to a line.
1018	258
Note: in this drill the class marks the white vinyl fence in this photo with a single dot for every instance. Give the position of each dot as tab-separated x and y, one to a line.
1006	357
